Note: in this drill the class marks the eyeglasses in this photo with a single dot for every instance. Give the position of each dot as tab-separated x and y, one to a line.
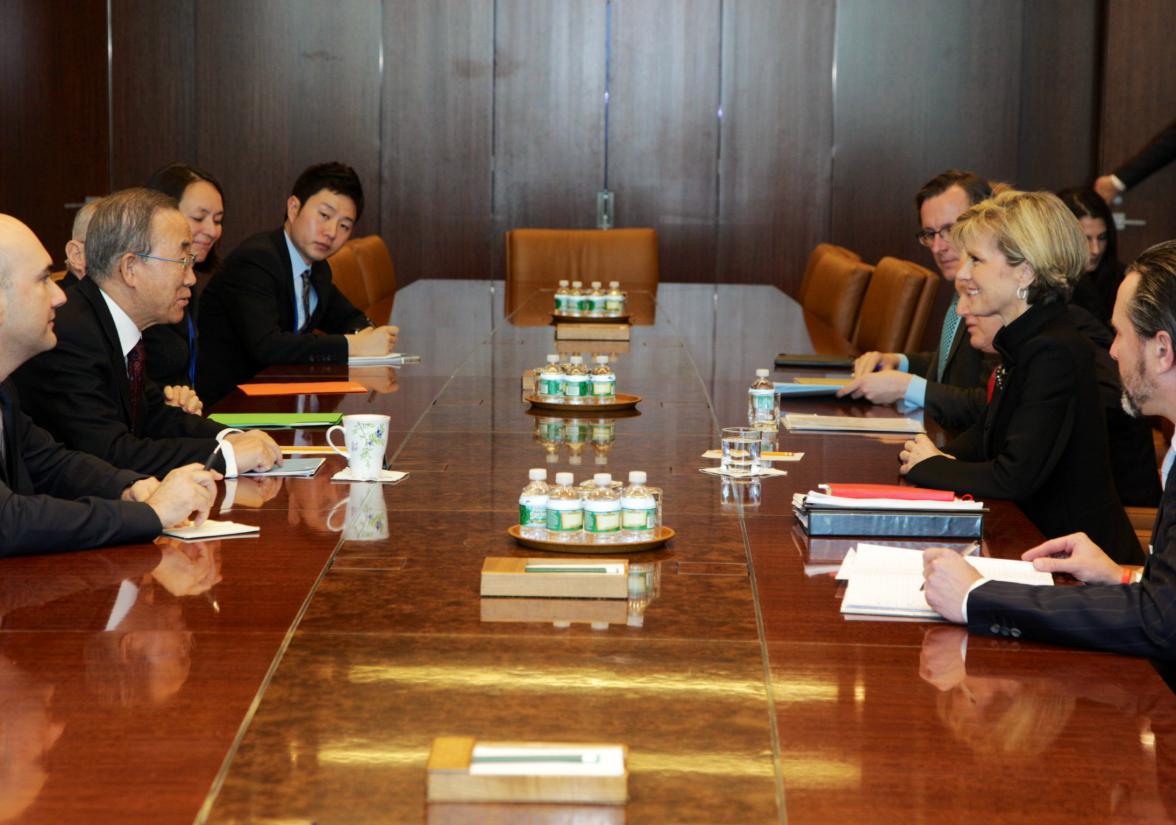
188	261
927	236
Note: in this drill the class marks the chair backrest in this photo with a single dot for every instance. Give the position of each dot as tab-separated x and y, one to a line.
923	308
379	276
347	277
538	258
814	259
835	291
889	308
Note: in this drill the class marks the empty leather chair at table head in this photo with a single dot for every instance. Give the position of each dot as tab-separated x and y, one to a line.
346	276
539	258
814	259
379	276
835	289
896	307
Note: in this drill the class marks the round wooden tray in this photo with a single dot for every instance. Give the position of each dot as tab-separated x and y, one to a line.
560	318
663	535
620	402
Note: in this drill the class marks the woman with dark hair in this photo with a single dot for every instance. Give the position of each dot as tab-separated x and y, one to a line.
1096	286
171	348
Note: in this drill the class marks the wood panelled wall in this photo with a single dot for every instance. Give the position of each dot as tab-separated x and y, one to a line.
745	131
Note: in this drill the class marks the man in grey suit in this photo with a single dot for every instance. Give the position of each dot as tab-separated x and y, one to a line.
1121	609
944	379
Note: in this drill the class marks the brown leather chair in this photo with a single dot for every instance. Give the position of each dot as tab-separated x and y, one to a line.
539	258
923	308
889	314
835	290
347	277
379	276
814	259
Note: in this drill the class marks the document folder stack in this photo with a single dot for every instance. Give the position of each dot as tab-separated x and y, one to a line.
887	510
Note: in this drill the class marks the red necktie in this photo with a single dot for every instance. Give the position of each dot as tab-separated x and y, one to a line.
136	366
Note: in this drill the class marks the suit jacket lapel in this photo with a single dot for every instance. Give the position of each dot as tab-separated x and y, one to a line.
285	275
118	364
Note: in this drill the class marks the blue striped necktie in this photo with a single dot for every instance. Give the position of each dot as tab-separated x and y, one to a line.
951	323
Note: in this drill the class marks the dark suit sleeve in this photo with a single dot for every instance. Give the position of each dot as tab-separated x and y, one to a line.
1157	154
49	521
71	388
1038	431
250	301
955	408
918	363
339	315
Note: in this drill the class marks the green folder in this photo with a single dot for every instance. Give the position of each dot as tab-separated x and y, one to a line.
276	421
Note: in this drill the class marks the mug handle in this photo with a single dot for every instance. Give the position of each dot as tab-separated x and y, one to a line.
331	444
331	513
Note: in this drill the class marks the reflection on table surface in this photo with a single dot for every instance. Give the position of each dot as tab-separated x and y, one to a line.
128	676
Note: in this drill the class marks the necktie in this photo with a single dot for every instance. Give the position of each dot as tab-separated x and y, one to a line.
950	324
136	366
305	301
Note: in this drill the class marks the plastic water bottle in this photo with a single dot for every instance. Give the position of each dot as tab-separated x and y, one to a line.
551	379
533	505
577	300
602	511
563	297
614	302
576	383
565	511
596	300
763	407
603	380
638	509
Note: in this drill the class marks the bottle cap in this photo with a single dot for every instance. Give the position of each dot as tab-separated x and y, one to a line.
601	459
596	284
602	359
563	282
553	358
563	479
577	284
602	479
761	373
537	474
553	458
614	284
575	459
577	359
636	476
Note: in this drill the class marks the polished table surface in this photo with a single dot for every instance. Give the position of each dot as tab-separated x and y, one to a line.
301	676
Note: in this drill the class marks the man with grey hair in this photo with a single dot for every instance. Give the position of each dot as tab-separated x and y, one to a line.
1121	609
92	391
75	247
53	499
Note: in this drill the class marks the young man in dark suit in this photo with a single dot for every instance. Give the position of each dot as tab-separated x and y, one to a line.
92	391
1121	609
275	291
53	499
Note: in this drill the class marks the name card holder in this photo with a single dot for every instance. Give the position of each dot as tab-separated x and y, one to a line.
555	578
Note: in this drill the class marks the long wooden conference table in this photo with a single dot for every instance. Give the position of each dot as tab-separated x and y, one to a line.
302	675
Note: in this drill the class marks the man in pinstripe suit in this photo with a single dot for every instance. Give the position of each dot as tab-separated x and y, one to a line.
1120	609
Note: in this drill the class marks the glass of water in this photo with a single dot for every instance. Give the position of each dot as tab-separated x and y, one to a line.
741	450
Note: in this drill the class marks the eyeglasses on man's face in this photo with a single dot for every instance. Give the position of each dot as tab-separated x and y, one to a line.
188	261
927	236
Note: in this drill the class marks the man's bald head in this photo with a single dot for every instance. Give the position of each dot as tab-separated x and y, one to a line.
19	248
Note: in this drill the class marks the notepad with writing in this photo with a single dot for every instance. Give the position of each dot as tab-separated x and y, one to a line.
212	529
888	581
275	420
303	388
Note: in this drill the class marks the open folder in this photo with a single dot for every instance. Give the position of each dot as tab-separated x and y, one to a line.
275	420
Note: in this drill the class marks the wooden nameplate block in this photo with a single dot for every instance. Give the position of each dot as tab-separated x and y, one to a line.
586	348
462	769
560	612
592	332
556	578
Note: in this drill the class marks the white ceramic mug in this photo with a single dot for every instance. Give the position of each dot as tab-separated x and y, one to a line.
366	437
366	514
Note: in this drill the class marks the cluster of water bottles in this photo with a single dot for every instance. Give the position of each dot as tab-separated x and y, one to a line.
596	302
599	511
572	382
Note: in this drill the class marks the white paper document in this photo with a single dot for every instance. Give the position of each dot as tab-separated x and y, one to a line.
303	467
212	529
888	581
797	422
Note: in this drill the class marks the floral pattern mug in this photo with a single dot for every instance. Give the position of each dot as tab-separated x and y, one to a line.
366	437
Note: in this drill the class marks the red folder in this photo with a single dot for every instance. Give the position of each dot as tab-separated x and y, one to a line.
898	491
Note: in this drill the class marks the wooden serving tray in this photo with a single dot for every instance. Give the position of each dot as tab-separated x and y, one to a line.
662	535
561	318
620	401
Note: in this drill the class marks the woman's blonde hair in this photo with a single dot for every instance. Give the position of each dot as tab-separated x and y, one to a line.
1033	228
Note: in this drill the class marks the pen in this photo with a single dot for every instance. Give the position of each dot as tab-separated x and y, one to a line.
212	456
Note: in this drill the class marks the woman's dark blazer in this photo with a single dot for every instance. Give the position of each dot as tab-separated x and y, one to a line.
1042	441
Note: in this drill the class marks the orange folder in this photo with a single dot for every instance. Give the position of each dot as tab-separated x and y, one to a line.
301	388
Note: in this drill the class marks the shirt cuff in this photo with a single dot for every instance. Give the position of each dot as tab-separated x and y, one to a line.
964	606
1122	187
227	452
916	391
904	363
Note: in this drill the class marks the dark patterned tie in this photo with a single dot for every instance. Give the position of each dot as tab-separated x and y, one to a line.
305	301
136	367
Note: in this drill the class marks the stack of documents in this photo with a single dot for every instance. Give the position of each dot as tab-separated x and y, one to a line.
887	510
850	424
888	581
805	386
